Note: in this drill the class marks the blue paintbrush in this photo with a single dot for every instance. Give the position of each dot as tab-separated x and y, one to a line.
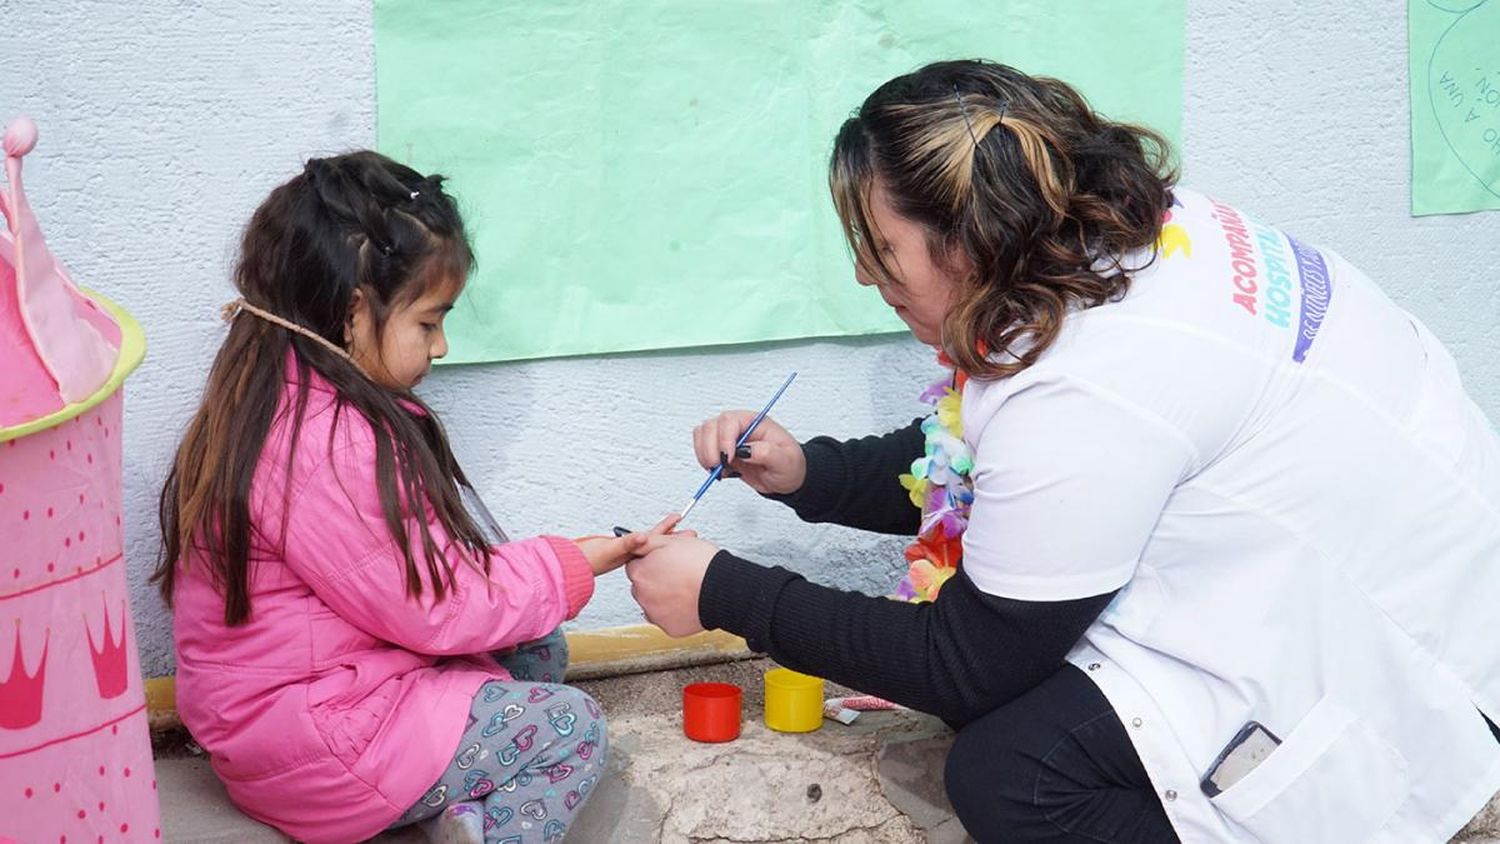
718	470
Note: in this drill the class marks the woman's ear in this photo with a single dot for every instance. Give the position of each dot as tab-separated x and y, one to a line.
956	262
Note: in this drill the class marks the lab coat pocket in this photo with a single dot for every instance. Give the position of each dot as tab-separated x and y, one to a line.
1332	779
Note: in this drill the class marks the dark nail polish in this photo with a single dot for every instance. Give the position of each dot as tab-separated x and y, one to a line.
723	458
733	475
743	452
621	531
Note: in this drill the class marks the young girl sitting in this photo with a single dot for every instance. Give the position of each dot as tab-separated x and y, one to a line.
358	647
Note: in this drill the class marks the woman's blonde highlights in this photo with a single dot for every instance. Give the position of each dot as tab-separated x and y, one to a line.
1043	195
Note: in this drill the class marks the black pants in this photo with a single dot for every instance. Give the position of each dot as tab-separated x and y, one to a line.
1053	765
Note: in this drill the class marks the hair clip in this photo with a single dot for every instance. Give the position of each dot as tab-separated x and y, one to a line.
964	110
414	195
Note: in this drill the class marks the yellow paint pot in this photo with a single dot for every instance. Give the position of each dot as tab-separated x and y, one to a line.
794	702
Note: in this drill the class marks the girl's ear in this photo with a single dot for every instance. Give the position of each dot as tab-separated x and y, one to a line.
357	318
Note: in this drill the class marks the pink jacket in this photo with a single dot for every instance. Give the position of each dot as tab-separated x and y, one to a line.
342	699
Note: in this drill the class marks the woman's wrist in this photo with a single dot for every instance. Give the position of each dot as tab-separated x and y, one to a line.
739	596
821	477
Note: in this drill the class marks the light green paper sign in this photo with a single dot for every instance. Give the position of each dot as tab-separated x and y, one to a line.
652	174
1454	55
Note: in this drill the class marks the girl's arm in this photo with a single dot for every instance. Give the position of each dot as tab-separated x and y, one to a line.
854	482
338	542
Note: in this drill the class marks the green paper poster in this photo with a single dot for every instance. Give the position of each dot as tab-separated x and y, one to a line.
1454	56
652	174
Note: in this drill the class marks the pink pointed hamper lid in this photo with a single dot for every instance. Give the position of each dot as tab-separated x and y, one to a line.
63	350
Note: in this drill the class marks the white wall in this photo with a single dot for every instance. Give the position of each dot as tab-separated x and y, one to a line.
163	124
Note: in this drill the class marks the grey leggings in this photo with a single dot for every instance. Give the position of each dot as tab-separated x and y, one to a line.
531	754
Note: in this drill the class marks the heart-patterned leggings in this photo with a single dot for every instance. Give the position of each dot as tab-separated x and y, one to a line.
532	751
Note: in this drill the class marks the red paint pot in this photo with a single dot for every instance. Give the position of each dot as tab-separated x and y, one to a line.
711	712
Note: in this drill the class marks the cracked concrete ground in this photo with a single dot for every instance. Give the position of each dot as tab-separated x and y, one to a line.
878	780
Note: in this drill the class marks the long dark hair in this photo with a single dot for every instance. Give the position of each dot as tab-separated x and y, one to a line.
1044	195
356	222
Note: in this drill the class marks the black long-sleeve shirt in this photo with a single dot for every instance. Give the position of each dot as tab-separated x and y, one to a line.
853	483
959	657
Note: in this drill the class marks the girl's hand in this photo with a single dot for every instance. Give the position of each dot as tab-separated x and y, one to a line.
775	463
666	579
607	553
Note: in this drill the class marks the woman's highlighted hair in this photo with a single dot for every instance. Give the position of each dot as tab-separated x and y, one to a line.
1044	196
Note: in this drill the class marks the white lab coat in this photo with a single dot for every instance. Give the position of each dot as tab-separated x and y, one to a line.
1281	472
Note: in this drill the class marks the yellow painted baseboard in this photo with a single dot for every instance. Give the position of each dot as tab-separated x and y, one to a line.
591	654
643	647
161	702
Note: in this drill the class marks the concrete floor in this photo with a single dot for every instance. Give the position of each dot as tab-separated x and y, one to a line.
878	780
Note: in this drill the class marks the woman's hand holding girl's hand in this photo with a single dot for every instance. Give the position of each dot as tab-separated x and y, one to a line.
667	577
607	553
774	462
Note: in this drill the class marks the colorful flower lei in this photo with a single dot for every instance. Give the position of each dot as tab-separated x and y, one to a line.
940	487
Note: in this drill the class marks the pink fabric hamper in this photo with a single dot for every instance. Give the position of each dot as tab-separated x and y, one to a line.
75	753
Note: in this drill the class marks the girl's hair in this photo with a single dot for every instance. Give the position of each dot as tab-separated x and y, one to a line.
354	222
1043	195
